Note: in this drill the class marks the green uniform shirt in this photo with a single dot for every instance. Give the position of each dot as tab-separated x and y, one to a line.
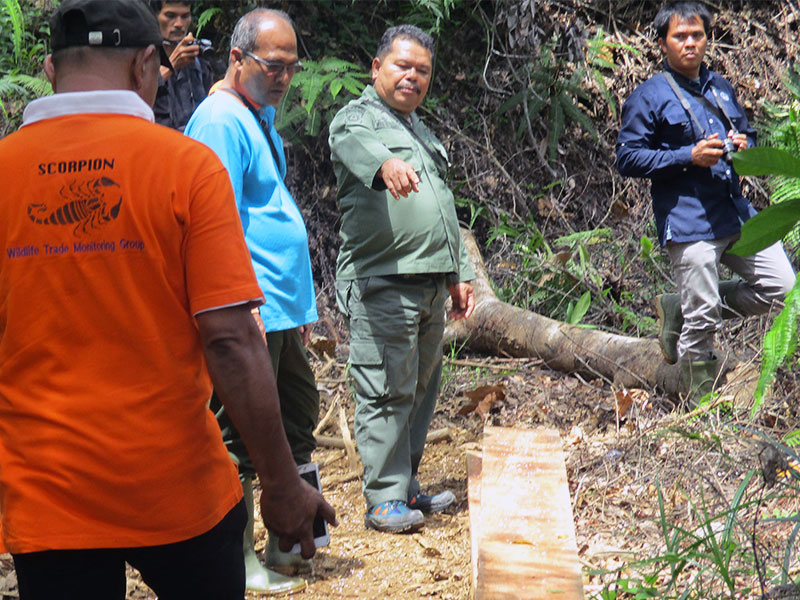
381	235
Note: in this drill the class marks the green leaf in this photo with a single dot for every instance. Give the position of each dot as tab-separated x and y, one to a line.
336	87
205	17
512	101
17	19
767	227
580	310
646	246
766	161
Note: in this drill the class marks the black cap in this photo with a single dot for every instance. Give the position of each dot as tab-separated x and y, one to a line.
106	24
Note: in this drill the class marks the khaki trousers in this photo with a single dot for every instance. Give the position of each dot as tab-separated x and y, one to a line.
767	277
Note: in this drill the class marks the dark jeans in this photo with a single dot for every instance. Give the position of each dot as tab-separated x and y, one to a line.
207	567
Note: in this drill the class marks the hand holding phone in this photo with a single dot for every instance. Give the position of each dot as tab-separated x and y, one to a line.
310	473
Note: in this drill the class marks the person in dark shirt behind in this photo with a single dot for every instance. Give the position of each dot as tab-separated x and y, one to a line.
181	90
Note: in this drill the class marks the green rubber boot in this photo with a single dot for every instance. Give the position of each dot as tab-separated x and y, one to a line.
697	380
259	578
727	293
670	318
285	562
670	321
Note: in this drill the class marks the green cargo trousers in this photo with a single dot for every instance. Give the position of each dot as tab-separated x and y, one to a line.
299	400
396	325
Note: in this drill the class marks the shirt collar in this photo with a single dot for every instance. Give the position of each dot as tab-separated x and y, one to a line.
122	102
704	76
266	112
371	94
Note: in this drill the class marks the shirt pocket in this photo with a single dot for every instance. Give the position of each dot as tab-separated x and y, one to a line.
677	128
367	359
402	147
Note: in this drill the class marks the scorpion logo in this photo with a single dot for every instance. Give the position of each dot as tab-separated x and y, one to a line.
86	206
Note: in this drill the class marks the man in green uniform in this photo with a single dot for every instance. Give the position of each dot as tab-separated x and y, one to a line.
401	253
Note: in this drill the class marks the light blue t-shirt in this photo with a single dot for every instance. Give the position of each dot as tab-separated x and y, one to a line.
272	223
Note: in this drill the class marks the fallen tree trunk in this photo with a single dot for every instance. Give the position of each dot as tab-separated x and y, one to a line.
496	327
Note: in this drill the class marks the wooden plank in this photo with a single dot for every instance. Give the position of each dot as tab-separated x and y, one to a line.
474	498
527	547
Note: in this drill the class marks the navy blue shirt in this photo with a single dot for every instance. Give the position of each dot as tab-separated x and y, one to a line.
656	138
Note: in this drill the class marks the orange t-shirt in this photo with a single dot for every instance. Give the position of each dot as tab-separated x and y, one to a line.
114	233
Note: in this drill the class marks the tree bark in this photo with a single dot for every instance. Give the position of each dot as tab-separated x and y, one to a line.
496	327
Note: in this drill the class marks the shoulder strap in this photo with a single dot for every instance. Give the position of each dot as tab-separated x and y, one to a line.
684	101
719	110
434	155
722	107
261	124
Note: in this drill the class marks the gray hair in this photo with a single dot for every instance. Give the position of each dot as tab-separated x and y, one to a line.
404	32
245	34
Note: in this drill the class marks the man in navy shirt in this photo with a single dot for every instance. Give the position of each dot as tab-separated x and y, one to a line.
679	129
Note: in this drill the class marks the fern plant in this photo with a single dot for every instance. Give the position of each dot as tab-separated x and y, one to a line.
552	94
600	59
18	83
316	94
763	230
780	128
205	18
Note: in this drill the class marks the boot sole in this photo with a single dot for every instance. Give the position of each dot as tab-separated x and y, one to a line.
398	528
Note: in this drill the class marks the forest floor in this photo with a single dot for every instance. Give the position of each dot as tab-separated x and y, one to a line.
622	448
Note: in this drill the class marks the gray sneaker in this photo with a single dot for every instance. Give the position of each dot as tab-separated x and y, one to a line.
432	504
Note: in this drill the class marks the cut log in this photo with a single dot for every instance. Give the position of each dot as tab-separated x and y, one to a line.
498	328
527	548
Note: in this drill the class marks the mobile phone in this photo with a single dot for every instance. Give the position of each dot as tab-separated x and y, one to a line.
310	472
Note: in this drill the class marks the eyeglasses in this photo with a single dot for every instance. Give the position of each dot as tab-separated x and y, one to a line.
275	68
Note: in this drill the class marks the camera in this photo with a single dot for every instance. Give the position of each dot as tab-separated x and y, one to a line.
205	45
728	148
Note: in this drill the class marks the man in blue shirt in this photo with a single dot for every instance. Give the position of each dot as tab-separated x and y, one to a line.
237	122
678	129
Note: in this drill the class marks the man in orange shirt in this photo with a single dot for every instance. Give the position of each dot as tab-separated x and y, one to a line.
124	282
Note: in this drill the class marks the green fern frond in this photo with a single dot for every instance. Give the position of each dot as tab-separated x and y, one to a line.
8	87
205	17
783	188
780	344
337	65
14	12
512	101
36	85
536	105
577	115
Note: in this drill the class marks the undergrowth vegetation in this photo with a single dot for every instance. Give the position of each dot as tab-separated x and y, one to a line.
23	29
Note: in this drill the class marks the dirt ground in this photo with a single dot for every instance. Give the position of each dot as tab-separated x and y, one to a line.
620	447
617	460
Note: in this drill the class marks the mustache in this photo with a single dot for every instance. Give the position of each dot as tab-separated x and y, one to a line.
409	86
